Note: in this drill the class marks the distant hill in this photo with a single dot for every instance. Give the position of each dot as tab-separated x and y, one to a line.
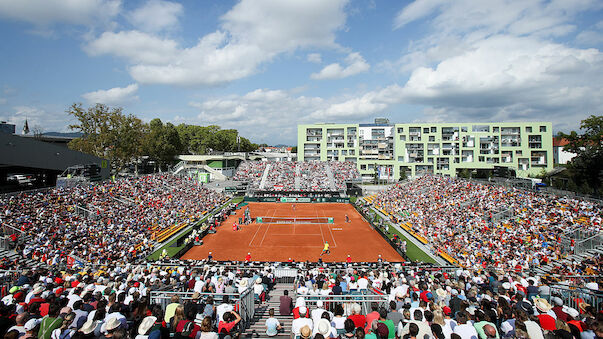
281	145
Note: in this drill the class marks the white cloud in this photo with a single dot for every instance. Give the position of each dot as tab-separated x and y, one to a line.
45	12
252	32
53	121
156	15
114	96
483	18
135	46
355	64
315	58
273	115
416	10
590	38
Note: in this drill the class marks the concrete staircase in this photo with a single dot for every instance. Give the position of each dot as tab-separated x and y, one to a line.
569	259
331	177
12	255
297	177
257	328
265	176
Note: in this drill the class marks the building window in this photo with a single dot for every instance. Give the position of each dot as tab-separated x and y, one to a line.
426	130
542	128
432	138
434	129
529	129
495	129
352	152
400	130
363	167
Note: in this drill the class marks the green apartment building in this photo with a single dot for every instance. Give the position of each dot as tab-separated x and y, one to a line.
440	148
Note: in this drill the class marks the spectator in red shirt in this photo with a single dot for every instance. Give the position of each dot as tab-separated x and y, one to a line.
231	319
358	319
374	315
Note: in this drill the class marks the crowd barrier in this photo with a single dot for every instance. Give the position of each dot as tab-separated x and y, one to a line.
244	303
574	296
285	275
363	298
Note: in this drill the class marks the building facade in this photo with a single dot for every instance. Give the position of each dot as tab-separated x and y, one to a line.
386	150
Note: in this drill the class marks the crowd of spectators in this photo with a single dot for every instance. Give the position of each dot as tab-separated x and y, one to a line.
281	176
313	176
460	218
113	221
116	301
344	171
428	303
251	171
416	302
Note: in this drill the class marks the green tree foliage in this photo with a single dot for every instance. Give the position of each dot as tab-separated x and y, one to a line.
205	139
107	133
162	143
587	167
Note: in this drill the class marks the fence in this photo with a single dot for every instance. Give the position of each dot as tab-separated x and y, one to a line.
572	297
364	298
285	275
589	243
243	302
86	213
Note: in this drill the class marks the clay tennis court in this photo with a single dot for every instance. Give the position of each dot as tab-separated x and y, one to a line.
300	242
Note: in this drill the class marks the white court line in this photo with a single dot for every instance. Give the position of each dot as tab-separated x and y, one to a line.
267	228
320	226
332	237
296	246
264	237
256	231
288	235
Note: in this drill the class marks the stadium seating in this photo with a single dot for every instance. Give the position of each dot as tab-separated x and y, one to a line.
311	176
457	217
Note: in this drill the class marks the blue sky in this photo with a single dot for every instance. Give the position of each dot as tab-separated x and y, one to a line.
264	66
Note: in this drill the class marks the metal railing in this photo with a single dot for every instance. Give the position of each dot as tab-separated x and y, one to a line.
285	275
572	296
365	299
86	213
589	243
244	302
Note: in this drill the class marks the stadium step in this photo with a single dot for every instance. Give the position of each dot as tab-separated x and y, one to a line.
12	256
257	327
331	177
265	176
548	268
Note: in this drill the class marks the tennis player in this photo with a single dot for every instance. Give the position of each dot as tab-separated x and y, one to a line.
325	249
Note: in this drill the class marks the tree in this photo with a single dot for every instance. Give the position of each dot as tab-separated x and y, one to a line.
587	166
107	133
162	144
204	139
294	149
